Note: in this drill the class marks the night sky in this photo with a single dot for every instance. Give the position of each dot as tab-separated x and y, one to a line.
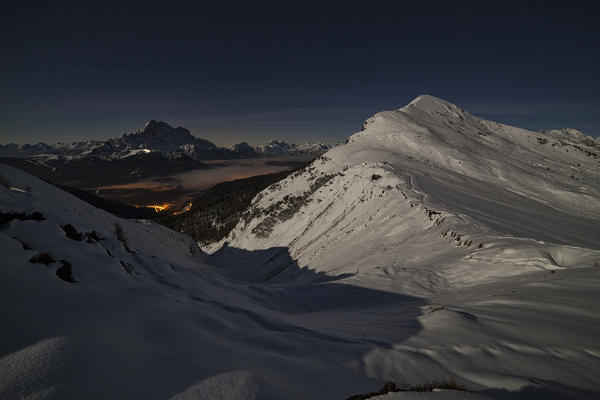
301	71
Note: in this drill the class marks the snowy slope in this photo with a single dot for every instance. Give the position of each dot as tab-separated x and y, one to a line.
147	318
147	321
363	268
495	227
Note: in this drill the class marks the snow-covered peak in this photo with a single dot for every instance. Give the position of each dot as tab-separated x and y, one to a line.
148	125
428	108
242	147
279	145
572	135
316	148
151	126
435	109
430	104
161	129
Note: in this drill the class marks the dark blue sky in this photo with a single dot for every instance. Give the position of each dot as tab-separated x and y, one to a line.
303	71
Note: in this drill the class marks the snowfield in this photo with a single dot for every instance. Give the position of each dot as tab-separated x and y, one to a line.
434	246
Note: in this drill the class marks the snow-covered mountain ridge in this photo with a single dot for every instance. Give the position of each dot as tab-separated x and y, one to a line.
478	217
433	246
434	168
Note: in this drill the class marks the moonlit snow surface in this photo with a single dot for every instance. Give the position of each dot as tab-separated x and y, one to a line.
433	246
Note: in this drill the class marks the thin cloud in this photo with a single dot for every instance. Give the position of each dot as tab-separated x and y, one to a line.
275	116
531	109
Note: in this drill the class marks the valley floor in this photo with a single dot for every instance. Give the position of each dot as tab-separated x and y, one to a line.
182	187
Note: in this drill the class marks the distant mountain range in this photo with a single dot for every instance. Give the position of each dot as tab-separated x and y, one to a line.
157	136
152	150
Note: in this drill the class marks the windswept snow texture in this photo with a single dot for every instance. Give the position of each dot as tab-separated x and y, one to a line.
433	246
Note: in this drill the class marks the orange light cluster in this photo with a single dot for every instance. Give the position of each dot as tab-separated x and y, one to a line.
158	207
184	210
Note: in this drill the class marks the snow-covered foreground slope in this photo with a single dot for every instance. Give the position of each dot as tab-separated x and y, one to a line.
148	319
363	268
